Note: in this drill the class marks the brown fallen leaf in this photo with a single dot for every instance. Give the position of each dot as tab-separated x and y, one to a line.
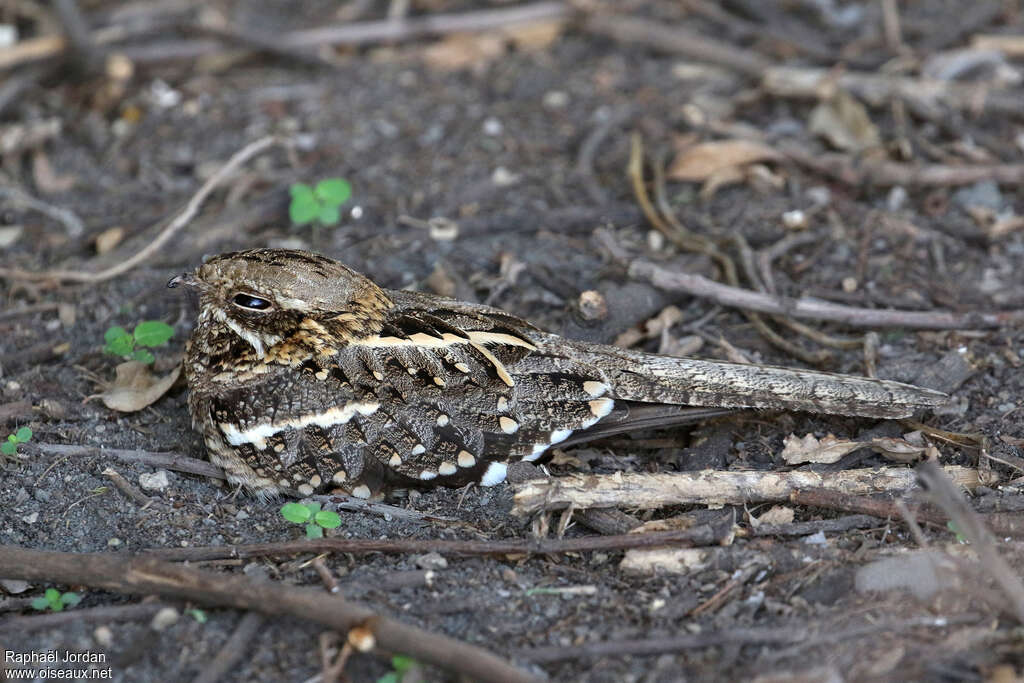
824	451
844	122
108	239
136	387
899	450
464	50
777	514
701	162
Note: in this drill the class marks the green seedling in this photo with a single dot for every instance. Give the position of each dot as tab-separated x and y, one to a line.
400	665
10	447
197	614
310	514
960	538
319	203
55	600
149	333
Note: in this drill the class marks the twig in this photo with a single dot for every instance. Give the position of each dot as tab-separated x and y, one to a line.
150	576
72	223
877	172
76	28
708	487
678	40
136	612
171	461
233	650
943	493
125	487
29	309
182	219
697	536
848	502
782	634
697	285
828	526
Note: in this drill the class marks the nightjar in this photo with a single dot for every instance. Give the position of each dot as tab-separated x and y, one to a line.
304	375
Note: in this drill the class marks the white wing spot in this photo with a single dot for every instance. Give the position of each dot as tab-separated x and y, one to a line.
466	459
594	388
419	449
495	474
439	382
315	480
361	491
427	475
339	477
443	420
395	461
447	468
508	425
538	450
321	375
306	489
257	435
560	435
462	367
599	408
502	403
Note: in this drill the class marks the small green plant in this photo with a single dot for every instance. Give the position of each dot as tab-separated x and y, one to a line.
310	514
55	600
960	538
148	333
197	614
10	447
400	665
320	202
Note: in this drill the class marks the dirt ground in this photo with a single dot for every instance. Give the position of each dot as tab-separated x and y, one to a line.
522	138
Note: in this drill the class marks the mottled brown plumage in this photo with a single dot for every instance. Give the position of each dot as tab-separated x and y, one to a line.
304	375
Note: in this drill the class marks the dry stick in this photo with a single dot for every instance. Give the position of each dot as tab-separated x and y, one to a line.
233	650
697	285
149	576
856	172
943	493
103	615
708	487
676	39
669	225
71	222
352	34
877	89
182	219
697	536
827	526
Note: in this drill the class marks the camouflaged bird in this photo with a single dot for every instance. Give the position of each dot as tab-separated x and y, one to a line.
304	375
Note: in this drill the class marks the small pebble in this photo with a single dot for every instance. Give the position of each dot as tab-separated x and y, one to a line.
492	126
592	305
849	284
795	220
431	561
103	636
164	618
556	99
157	481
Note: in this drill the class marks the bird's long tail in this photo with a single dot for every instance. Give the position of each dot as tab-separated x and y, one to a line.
638	376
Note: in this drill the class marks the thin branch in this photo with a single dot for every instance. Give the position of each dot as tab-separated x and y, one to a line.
702	535
697	285
145	576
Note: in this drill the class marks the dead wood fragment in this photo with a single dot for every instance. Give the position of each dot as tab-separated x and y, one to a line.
143	575
103	615
704	534
697	285
708	487
233	650
878	88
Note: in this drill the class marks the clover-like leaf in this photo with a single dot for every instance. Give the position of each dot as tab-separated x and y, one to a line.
304	206
9	447
153	332
40	604
328	519
143	356
300	190
329	215
313	531
296	512
23	435
120	345
333	191
70	599
113	333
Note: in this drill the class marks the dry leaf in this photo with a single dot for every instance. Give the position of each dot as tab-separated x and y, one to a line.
108	239
464	50
533	36
653	327
46	179
721	178
810	449
898	450
135	387
845	123
703	161
777	514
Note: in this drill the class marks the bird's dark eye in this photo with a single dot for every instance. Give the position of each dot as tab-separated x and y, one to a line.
251	302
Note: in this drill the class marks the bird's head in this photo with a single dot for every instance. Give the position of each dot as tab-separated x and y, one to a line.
266	296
